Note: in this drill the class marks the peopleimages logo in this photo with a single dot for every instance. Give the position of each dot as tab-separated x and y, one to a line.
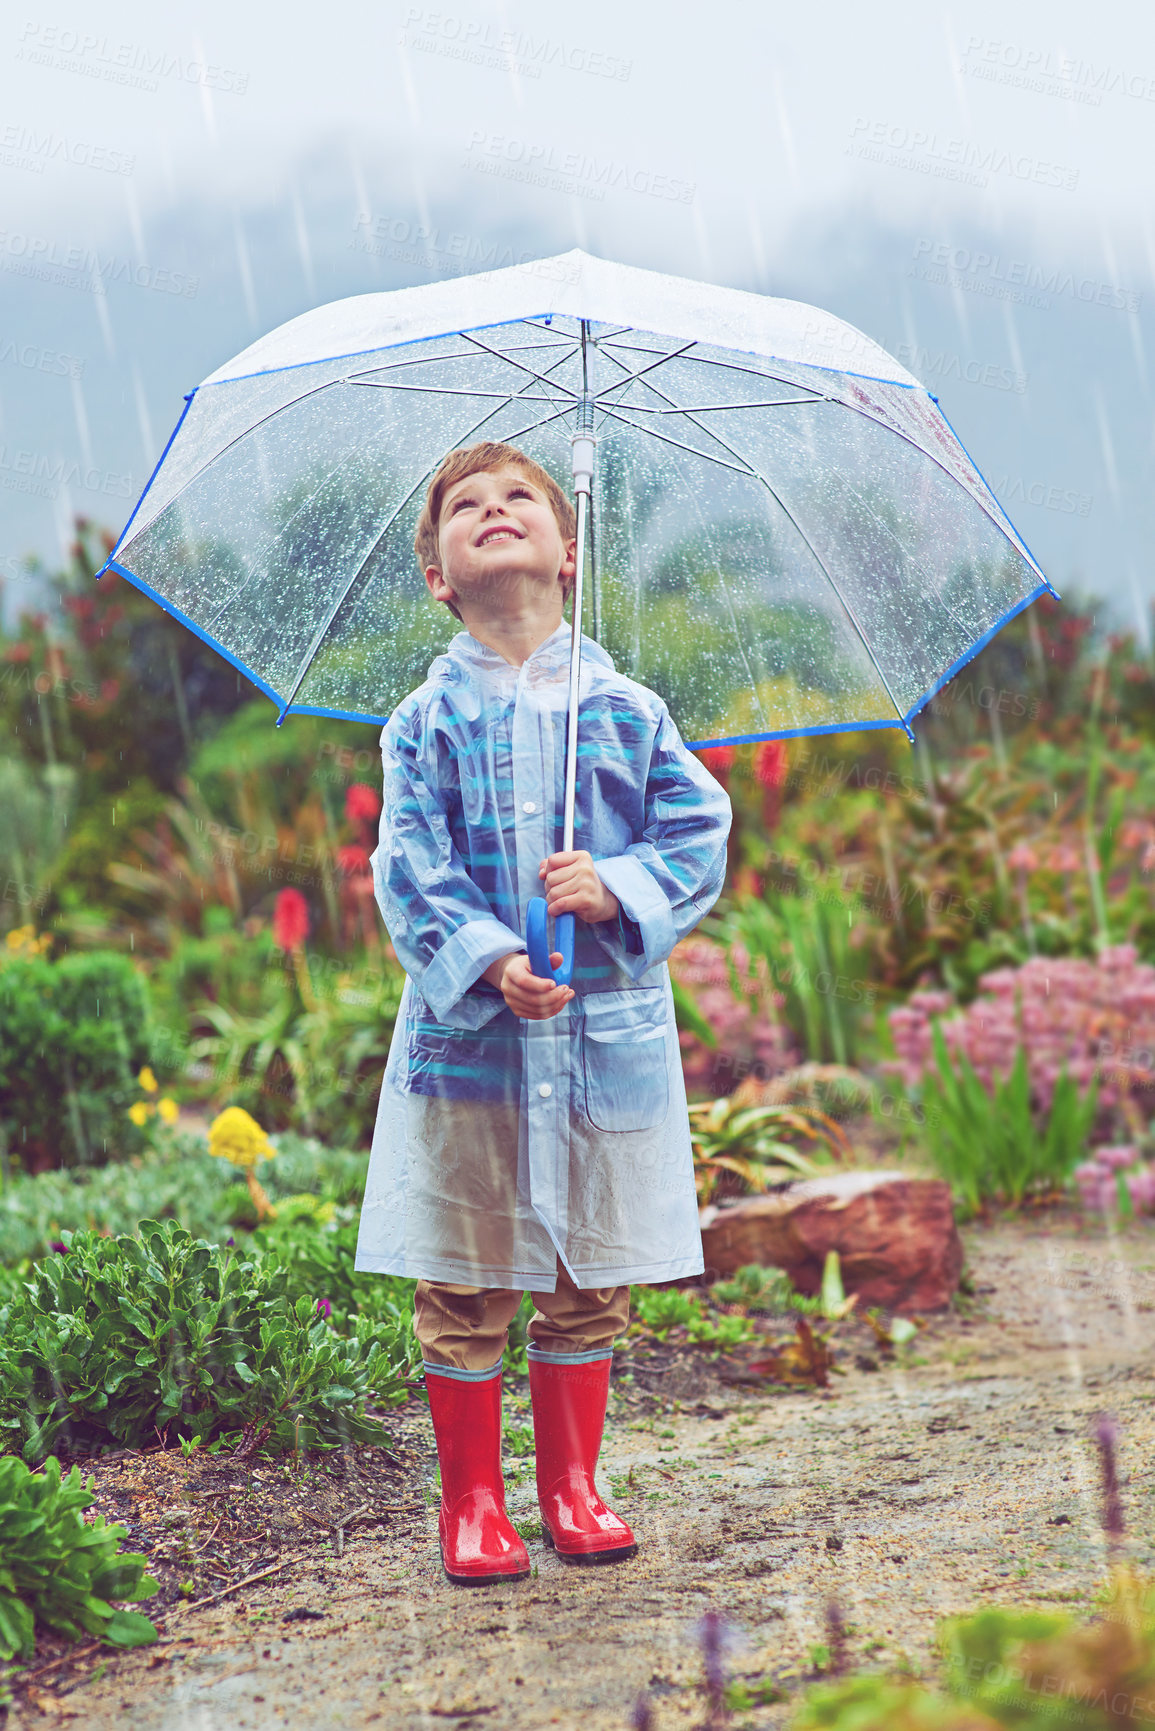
25	147
128	63
1042	69
1006	278
569	170
943	364
83	268
476	41
1015	490
928	152
41	360
42	477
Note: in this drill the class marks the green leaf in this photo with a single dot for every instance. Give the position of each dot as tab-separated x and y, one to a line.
17	1627
129	1629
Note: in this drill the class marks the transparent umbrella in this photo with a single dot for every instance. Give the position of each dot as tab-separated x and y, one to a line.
790	538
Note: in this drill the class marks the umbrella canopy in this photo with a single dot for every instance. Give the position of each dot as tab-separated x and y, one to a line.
789	536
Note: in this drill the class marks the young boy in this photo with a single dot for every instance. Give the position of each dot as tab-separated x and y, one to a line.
530	1136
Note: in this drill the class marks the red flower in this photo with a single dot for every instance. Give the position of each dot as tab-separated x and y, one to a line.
353	858
290	920
362	803
717	758
770	762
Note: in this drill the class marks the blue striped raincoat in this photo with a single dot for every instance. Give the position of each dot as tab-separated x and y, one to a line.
501	1144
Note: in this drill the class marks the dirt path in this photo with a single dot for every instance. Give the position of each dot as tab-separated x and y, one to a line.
908	1492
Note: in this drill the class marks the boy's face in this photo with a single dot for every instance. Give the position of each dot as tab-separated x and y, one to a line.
498	538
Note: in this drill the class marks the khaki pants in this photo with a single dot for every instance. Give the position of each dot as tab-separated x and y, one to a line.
466	1327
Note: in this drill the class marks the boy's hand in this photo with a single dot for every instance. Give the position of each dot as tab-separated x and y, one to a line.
573	887
526	993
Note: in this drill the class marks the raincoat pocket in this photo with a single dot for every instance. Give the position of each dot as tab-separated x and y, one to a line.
624	1059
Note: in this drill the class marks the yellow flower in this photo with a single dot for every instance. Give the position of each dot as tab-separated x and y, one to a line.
168	1109
140	1112
24	942
236	1137
147	1080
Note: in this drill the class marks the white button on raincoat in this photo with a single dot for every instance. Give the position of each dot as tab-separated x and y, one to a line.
498	1141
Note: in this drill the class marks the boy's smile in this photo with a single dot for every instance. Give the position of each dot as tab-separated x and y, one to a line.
500	546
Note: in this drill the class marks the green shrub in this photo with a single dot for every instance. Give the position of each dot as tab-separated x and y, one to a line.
876	1703
988	1145
188	1185
99	838
316	1070
73	1034
1024	1670
768	1289
59	1570
122	1338
316	1262
1044	1670
662	1308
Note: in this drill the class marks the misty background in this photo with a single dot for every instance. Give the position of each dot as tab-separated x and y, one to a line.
970	185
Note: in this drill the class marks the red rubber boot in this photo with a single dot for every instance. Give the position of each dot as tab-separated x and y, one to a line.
478	1544
569	1412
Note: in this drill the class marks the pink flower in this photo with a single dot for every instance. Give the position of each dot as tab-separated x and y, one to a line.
1115	1159
290	920
1063	859
362	803
353	859
770	763
718	759
1023	858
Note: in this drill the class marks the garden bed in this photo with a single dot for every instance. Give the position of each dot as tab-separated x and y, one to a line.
960	1475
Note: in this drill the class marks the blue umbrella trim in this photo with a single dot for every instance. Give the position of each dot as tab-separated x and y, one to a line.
993	494
253	678
902	721
691	745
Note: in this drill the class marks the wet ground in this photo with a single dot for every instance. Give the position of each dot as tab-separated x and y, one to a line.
962	1476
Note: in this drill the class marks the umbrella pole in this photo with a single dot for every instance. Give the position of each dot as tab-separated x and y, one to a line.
575	657
536	916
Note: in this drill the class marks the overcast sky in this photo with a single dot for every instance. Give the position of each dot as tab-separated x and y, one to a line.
971	184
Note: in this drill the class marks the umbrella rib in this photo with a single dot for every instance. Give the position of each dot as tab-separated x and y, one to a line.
642	371
231	600
665	438
898	433
460	355
822	566
817	557
751	372
674	354
710	408
339	601
216	456
887	530
550	384
441	390
855	408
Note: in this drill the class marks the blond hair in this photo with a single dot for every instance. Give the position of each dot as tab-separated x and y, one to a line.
480	459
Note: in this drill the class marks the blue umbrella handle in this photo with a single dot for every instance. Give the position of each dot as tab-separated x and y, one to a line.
538	944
